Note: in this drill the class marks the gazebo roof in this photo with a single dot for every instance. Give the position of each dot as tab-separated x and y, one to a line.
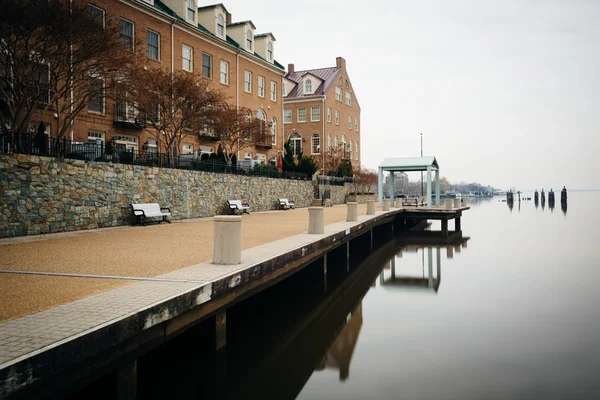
409	164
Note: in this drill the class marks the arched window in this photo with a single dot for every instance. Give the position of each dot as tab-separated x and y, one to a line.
249	39
220	25
344	143
315	143
296	142
270	51
308	86
329	141
260	114
273	131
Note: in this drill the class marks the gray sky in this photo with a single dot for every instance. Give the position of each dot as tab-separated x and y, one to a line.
506	93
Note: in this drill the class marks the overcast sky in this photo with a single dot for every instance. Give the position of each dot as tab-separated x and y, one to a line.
506	93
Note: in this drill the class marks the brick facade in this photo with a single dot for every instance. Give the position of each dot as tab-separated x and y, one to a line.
174	31
336	77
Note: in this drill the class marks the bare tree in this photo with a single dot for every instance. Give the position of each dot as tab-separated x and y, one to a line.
334	158
364	179
237	130
173	106
58	55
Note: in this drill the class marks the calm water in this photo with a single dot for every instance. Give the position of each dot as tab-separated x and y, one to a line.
516	314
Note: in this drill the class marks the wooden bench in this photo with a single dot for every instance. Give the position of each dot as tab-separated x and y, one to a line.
286	204
149	210
236	206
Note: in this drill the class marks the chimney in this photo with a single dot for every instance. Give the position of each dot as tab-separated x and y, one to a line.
340	63
290	68
227	18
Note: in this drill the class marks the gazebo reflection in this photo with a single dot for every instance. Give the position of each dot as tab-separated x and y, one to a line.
427	242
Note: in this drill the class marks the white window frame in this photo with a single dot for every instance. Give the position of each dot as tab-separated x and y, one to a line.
260	87
296	142
303	113
103	105
224	75
337	117
273	91
348	98
356	152
329	114
132	47
191	10
220	26
315	114
188	150
315	144
247	81
338	94
356	124
287	116
210	65
185	61
308	86
270	51
273	131
329	141
100	10
157	45
249	40
350	122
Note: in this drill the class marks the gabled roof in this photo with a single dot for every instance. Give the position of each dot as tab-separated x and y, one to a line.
264	35
328	75
242	23
409	164
213	6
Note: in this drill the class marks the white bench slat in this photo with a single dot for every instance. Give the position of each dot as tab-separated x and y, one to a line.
149	210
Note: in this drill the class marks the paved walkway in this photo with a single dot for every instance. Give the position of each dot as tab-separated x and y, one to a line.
50	266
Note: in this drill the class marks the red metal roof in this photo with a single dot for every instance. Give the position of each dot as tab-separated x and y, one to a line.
328	75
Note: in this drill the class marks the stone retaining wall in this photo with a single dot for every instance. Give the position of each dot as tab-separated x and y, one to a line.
337	194
46	195
361	198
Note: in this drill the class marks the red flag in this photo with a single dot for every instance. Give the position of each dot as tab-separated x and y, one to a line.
279	163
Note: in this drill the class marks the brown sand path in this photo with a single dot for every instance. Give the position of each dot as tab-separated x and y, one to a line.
126	251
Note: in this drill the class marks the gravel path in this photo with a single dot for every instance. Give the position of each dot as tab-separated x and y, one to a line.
125	251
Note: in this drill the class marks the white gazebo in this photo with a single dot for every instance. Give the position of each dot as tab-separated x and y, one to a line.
410	164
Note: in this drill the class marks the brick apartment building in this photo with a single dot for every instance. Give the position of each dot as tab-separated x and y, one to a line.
178	35
321	113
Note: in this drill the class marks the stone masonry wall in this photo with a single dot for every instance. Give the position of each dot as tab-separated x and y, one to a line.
337	194
46	195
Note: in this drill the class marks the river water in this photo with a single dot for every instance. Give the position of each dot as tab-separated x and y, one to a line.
510	310
516	313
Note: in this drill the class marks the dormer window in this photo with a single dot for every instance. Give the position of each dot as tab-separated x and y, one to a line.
191	10
308	86
249	39
220	25
270	51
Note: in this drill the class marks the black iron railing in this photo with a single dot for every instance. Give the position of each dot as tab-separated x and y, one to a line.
333	180
42	145
128	115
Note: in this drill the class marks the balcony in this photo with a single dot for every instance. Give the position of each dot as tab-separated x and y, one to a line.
128	116
346	155
208	133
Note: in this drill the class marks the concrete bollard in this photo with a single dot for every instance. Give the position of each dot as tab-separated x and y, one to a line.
227	247
386	204
370	207
316	220
456	203
449	204
464	201
352	214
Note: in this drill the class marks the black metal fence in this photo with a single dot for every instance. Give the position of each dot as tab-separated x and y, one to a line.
38	144
333	180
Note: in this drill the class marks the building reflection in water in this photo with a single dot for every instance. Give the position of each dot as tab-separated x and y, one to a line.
430	244
340	353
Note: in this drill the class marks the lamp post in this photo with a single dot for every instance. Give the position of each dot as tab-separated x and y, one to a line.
421	171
